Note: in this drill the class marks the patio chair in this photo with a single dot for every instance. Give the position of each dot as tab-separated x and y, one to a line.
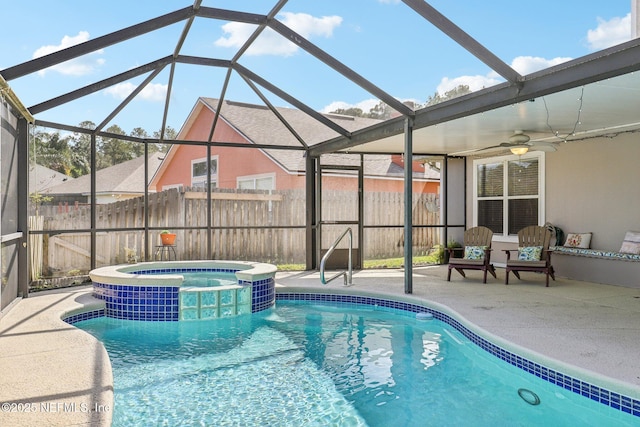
533	253
477	253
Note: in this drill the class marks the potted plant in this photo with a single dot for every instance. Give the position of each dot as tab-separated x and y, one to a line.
168	238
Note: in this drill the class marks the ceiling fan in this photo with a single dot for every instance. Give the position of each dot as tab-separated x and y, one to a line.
519	143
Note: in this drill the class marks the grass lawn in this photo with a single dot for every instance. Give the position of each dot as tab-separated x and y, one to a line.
433	258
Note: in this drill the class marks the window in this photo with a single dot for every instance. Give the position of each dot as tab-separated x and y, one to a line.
199	172
170	186
257	182
509	192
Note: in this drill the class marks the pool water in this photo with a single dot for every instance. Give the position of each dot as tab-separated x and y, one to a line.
324	365
205	279
208	279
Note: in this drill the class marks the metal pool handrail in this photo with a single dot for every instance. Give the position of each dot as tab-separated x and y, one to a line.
348	275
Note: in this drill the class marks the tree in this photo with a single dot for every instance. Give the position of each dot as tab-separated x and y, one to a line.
139	147
113	150
139	133
450	94
353	112
169	135
52	151
71	154
80	146
380	111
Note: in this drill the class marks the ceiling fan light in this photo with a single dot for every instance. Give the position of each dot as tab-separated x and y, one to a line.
519	151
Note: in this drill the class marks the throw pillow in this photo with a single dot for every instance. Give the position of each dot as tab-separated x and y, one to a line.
631	243
529	253
474	252
578	240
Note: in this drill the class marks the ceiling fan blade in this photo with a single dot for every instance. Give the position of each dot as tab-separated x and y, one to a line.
474	150
531	145
543	147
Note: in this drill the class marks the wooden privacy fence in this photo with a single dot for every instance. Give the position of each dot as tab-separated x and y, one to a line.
246	225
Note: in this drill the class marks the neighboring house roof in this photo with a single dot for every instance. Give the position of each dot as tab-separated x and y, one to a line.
259	125
123	178
42	178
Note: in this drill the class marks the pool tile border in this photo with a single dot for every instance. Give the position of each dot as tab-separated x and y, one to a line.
87	315
602	395
180	270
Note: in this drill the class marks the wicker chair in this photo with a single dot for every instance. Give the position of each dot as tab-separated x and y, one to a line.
478	238
532	236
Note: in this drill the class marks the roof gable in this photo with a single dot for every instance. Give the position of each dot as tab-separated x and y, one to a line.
125	177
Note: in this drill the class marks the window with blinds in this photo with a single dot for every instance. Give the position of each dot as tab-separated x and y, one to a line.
199	172
507	193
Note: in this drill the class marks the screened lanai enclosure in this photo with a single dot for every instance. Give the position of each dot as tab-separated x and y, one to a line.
238	158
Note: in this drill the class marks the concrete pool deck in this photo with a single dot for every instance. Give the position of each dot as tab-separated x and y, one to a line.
63	376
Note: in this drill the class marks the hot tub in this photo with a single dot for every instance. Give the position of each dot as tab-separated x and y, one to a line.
155	291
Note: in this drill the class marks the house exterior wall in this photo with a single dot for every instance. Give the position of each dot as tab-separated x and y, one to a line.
232	162
592	186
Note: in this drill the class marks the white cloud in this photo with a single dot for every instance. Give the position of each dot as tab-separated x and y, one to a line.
529	64
307	26
609	33
271	43
522	64
151	92
75	67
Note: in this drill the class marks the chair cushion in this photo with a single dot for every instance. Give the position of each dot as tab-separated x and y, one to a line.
529	253
474	252
527	264
578	240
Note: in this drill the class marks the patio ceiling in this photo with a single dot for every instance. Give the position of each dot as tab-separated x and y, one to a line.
591	96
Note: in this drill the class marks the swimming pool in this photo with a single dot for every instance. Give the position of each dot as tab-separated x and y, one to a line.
313	363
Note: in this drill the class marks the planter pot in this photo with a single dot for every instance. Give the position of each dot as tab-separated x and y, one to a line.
168	238
458	253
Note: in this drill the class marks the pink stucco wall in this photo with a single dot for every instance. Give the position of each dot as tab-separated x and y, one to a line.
235	162
232	162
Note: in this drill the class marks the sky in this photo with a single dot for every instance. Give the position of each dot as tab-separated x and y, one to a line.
384	41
